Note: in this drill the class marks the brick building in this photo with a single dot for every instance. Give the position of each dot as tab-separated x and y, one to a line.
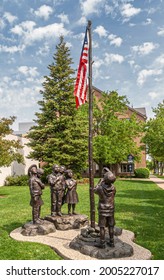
124	167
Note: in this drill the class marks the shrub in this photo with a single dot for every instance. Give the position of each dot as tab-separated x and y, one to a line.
142	173
21	180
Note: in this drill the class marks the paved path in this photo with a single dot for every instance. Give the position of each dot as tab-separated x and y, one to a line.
158	181
60	240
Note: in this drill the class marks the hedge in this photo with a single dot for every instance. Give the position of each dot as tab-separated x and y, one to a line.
141	173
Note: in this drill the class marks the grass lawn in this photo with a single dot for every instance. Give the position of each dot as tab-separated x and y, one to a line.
139	208
159	176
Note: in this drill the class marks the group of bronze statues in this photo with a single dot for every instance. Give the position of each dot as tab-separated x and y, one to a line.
63	190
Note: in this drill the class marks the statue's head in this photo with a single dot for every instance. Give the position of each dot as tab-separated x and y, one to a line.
104	170
69	173
40	172
109	177
32	170
55	168
62	169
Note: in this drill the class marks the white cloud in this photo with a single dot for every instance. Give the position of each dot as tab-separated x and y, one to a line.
30	34
114	40
159	61
9	17
128	11
152	10
145	48
95	44
20	94
161	31
82	21
6	79
108	9
2	23
12	49
133	65
148	21
64	18
96	67
91	6
44	12
97	62
23	28
28	71
46	32
110	58
69	45
101	31
153	95
144	74
43	51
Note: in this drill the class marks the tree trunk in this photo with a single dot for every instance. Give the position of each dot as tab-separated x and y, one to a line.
100	169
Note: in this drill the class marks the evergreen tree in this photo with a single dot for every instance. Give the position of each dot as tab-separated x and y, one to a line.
60	135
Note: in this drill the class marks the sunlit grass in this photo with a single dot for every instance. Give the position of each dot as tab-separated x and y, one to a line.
139	208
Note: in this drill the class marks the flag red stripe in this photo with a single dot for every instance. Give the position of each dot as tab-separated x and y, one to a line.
80	90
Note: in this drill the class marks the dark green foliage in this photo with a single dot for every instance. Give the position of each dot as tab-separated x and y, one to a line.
141	173
60	135
21	180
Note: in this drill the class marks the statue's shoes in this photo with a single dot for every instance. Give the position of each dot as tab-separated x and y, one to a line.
100	245
38	222
59	214
110	243
53	214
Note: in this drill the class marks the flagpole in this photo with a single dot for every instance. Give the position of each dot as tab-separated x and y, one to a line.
90	138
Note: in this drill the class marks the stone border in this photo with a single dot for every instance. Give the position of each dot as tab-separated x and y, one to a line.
60	241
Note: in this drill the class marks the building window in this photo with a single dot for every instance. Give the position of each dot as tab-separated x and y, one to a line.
127	167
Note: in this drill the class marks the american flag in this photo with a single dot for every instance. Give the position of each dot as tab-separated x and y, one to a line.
80	90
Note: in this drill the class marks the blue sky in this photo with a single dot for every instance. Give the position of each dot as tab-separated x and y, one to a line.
128	44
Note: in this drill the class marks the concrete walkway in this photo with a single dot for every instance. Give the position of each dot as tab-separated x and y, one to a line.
60	240
158	181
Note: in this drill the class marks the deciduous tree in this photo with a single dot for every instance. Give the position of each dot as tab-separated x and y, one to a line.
154	135
114	135
9	149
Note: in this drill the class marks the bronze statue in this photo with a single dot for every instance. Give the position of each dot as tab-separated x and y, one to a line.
36	186
71	194
106	192
57	186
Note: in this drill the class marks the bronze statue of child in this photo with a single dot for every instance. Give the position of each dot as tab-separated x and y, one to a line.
57	186
71	196
106	192
36	186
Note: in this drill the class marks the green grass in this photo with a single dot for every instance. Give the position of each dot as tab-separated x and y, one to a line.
139	208
159	176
